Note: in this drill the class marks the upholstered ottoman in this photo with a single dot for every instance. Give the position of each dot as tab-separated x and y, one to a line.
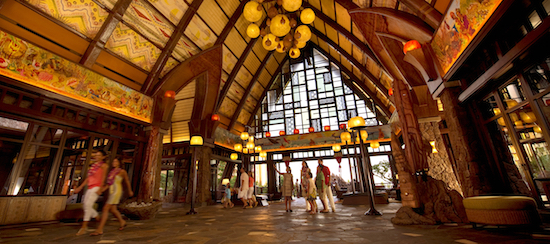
501	210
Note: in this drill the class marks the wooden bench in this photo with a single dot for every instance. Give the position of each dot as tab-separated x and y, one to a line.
501	210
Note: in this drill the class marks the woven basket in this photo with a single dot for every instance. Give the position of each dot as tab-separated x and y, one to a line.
141	213
502	217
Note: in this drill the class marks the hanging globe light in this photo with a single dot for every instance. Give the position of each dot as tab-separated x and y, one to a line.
374	144
292	5
250	145
270	42
294	52
301	44
253	30
244	136
280	25
238	147
336	148
263	154
234	156
252	11
345	137
281	48
307	16
302	34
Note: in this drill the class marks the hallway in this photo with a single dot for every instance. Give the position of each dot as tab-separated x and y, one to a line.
269	224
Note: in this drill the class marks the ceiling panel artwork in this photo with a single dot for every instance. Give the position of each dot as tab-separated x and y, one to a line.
84	16
229	60
133	47
228	108
257	91
198	32
170	64
216	17
171	9
225	76
250	104
236	91
243	77
148	22
243	117
185	49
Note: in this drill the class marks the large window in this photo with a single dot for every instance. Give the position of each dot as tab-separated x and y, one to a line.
314	96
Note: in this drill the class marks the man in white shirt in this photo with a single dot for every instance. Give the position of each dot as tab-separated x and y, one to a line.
243	189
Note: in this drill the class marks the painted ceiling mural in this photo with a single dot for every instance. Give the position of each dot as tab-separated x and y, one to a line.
30	64
133	47
172	9
200	34
84	16
185	49
149	22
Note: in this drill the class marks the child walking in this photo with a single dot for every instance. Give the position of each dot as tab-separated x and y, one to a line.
311	193
227	197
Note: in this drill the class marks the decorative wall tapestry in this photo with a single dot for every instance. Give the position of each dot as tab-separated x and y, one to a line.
461	24
30	64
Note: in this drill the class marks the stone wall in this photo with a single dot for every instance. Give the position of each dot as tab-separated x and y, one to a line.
440	165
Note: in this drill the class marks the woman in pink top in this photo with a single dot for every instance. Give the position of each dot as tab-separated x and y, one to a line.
95	180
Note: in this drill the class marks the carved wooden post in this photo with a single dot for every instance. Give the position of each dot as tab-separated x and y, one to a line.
150	169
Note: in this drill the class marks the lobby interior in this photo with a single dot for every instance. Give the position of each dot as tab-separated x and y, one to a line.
436	113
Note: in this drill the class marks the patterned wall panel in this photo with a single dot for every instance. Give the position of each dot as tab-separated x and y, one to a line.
228	108
185	49
170	64
84	16
149	22
200	34
133	47
172	9
229	60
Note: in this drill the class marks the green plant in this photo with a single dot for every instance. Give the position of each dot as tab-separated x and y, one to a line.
382	170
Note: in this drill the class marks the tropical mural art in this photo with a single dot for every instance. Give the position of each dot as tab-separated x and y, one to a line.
461	24
30	64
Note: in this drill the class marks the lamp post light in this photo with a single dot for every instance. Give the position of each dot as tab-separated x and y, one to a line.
196	141
346	137
358	123
357	164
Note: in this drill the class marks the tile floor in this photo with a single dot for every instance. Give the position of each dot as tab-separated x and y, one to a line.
271	224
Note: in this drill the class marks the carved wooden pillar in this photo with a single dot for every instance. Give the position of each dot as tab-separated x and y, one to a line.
271	176
151	165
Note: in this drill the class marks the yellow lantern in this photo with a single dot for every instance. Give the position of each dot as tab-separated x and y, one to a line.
196	141
302	34
356	122
280	48
374	144
301	44
263	154
527	117
238	147
292	5
252	11
251	138
258	149
500	121
250	145
244	136
253	30
245	150
346	137
280	25
336	148
537	129
307	16
270	42
364	136
234	156
294	52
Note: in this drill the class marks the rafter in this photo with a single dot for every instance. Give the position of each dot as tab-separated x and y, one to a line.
425	11
351	37
259	104
229	26
354	61
170	45
248	90
237	67
372	96
98	43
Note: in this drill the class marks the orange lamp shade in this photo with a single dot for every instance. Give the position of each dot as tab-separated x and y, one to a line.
411	45
268	134
390	92
170	94
296	131
215	117
342	126
311	129
327	127
282	133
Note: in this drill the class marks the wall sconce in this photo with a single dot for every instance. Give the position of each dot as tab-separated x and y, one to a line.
432	143
225	181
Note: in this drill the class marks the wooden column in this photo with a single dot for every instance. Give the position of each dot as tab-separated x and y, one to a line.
271	176
150	168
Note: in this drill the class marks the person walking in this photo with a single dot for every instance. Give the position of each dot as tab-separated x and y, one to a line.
304	172
311	192
327	189
319	183
94	181
114	184
287	188
251	198
243	188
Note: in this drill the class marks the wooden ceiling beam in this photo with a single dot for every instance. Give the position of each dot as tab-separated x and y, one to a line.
354	61
267	89
237	67
372	96
229	26
170	45
425	11
249	89
358	43
98	43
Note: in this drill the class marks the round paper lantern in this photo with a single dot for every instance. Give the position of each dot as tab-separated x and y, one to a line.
302	34
345	137
296	131
294	53
327	127
356	122
269	42
336	148
268	134
244	136
390	92
234	156
281	48
301	44
253	30
292	5
374	144
280	25
215	117
238	147
272	12
250	145
411	45
364	136
307	16
263	154
342	126
282	133
311	129
170	94
252	11
258	149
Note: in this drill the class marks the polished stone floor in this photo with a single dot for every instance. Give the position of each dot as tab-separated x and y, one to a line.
271	224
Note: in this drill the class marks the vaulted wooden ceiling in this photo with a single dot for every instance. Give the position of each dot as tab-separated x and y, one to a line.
137	42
